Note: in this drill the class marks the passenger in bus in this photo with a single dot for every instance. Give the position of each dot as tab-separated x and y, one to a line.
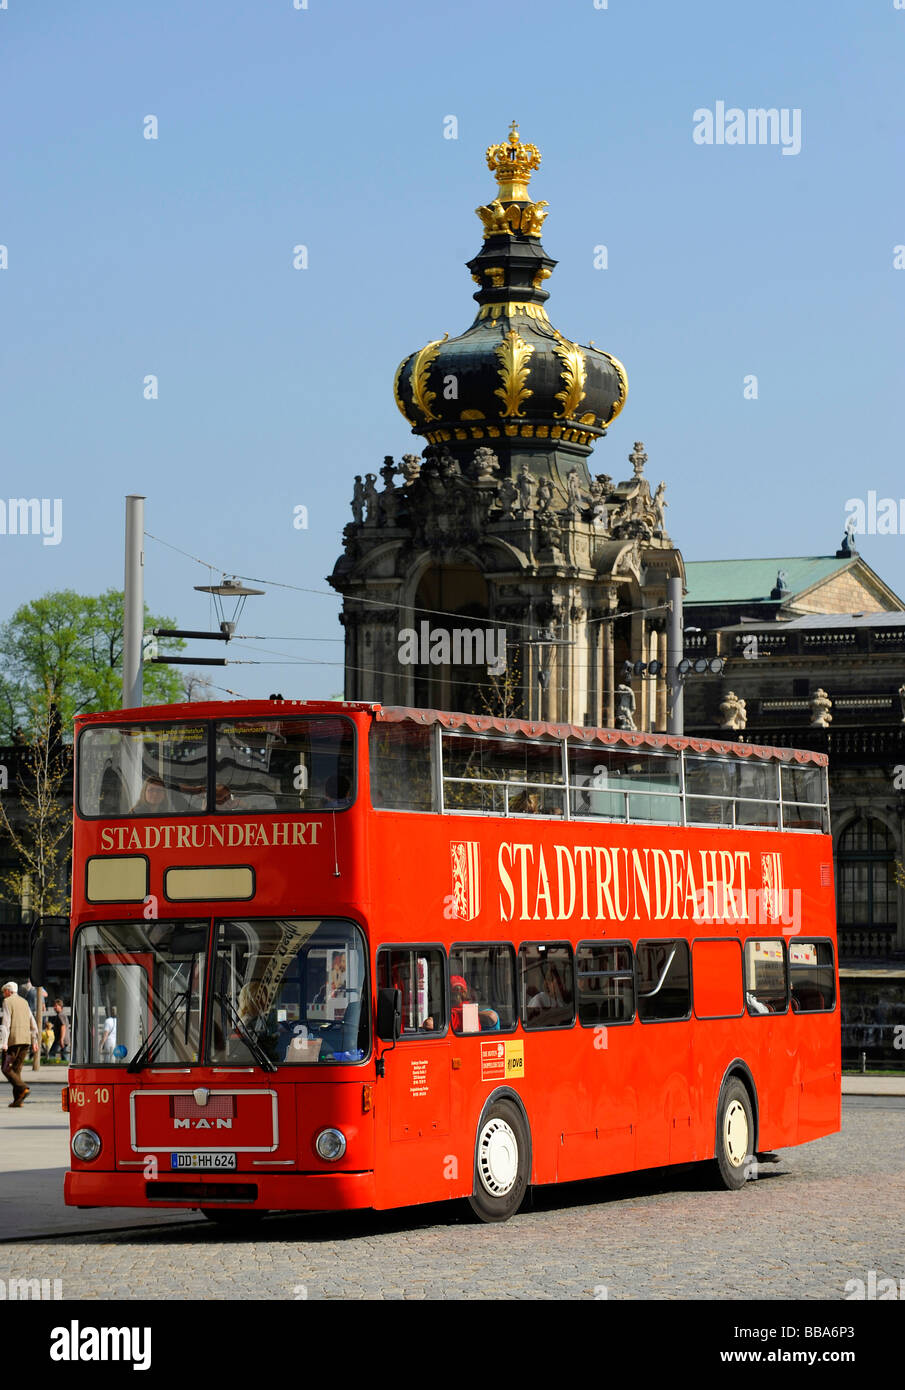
152	800
550	996
460	993
525	804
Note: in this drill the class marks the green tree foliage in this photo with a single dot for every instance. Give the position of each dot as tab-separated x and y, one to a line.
66	649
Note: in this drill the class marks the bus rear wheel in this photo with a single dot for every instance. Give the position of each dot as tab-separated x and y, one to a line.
734	1136
501	1163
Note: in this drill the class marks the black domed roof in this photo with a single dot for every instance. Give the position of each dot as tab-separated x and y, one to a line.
511	381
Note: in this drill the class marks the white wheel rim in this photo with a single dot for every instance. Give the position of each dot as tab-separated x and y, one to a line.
735	1134
497	1158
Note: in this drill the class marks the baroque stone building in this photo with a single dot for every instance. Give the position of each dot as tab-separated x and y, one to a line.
498	538
498	541
815	658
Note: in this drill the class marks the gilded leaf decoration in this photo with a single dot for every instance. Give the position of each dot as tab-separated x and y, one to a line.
510	307
420	368
574	378
514	354
623	386
399	401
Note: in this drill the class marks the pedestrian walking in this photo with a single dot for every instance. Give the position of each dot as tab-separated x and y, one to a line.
18	1037
57	1021
31	992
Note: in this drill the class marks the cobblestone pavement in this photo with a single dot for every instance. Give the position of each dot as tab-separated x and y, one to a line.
829	1212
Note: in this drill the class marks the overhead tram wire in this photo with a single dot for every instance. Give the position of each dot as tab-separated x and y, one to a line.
383	603
433	612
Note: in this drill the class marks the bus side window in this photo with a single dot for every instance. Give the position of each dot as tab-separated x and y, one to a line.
811	977
419	972
488	973
606	983
547	985
766	977
664	980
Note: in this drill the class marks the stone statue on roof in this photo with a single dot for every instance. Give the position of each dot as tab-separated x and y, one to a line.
625	707
821	704
734	711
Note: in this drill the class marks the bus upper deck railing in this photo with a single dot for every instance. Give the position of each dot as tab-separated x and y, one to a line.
453	772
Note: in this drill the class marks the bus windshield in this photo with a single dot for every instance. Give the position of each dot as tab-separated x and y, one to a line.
137	992
234	767
289	990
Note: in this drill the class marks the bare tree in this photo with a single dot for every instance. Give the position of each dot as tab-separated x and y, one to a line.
39	834
197	687
504	699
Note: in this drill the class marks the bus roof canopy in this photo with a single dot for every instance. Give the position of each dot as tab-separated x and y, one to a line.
488	723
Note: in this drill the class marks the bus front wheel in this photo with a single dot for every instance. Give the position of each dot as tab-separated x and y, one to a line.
501	1163
734	1136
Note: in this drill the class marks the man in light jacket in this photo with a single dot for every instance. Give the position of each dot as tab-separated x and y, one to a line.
18	1037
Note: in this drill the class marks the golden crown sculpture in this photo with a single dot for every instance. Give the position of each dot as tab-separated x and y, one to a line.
512	163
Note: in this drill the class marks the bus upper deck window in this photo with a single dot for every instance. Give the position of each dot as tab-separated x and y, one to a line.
284	764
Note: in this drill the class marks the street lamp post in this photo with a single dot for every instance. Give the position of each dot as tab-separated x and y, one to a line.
133	602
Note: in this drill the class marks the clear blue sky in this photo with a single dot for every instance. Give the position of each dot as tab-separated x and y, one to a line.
324	127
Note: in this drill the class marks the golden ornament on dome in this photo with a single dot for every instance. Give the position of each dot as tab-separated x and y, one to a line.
513	163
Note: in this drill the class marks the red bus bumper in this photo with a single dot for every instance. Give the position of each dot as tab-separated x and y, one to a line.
271	1191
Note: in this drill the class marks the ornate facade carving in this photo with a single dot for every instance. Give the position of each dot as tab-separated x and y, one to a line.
439	510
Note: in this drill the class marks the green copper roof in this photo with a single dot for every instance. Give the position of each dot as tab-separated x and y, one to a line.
750	581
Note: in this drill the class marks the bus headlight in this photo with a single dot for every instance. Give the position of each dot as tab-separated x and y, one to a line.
86	1145
330	1144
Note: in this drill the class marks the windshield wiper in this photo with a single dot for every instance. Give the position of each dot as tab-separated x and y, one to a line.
255	1047
144	1052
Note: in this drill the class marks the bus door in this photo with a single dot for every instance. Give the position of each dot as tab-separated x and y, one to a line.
414	1094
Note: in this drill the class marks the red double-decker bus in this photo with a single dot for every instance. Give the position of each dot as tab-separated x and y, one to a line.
331	956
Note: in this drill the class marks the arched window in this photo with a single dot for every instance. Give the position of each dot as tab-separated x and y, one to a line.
465	660
865	885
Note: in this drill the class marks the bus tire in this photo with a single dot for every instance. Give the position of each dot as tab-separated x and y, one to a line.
501	1162
734	1135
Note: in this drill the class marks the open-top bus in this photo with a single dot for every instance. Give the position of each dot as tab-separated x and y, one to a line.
332	955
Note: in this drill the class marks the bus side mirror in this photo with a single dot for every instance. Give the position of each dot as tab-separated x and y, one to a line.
389	1015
